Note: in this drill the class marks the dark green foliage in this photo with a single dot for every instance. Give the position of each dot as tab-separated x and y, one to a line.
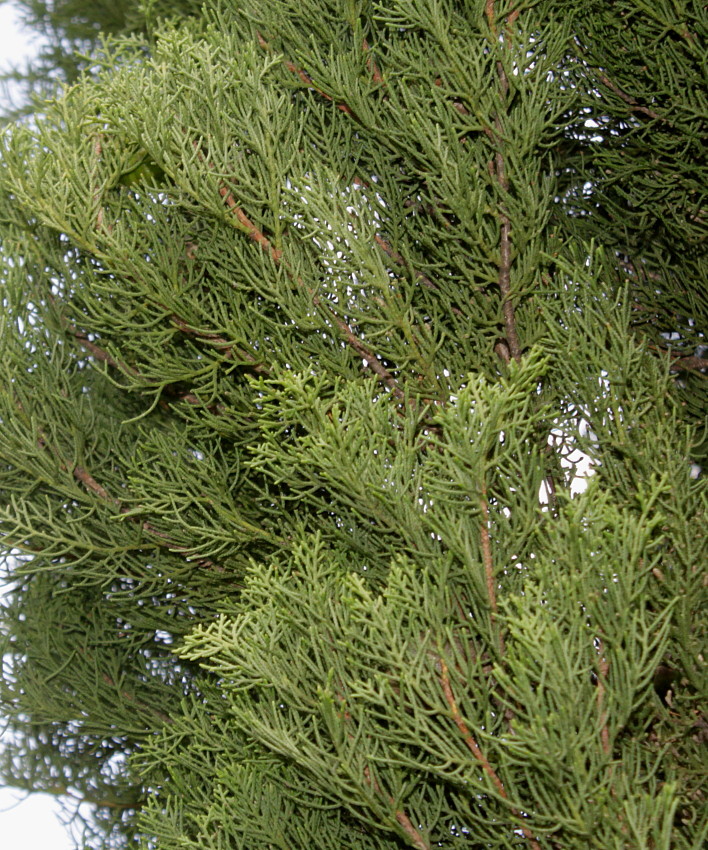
309	310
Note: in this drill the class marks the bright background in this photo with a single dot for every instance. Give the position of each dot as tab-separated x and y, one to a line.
26	823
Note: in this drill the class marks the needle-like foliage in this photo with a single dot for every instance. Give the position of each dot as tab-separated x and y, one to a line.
351	427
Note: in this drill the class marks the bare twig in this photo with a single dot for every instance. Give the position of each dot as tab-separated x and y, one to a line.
302	75
365	353
627	98
371	63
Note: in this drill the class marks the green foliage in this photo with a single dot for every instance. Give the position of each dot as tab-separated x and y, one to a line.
68	37
309	309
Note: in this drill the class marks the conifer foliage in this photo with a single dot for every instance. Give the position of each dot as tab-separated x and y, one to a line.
310	310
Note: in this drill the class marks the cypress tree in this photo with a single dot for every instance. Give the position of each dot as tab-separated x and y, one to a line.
353	403
68	35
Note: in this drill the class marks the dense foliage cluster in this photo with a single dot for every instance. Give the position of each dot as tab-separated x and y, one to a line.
316	315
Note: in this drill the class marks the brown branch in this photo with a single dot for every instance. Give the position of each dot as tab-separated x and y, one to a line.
489	10
110	681
489	565
99	353
487	551
136	702
190	398
167	542
550	482
639	271
501	349
96	198
467	737
397	258
372	361
92	799
250	228
228	348
628	99
82	338
416	838
91	484
498	170
690	364
505	284
304	77
371	63
84	476
257	235
307	79
603	669
276	254
504	279
475	749
402	818
680	362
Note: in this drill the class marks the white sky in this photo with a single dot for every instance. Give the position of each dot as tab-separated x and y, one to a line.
26	823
